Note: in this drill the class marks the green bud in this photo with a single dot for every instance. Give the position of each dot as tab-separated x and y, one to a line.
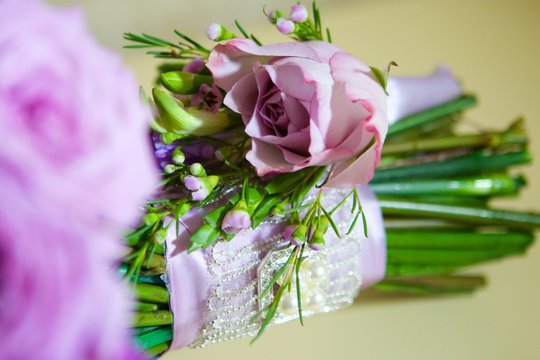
317	240
187	121
180	82
300	233
151	219
322	223
159	236
178	156
196	169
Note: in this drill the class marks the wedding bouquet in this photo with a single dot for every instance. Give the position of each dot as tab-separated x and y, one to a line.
265	214
277	200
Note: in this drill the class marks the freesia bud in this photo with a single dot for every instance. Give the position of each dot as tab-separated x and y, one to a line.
200	187
181	82
285	26
217	32
298	13
236	219
174	118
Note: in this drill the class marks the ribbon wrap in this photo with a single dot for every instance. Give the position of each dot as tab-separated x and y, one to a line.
214	292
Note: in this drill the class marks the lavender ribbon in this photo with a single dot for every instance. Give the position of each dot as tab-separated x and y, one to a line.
189	276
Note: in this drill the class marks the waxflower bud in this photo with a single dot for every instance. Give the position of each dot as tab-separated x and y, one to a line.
197	169
298	13
174	118
180	82
178	156
298	236
217	32
159	236
317	242
285	26
236	219
195	66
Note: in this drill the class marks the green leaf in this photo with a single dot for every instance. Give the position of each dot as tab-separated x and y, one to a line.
284	183
214	217
205	236
382	76
264	208
331	221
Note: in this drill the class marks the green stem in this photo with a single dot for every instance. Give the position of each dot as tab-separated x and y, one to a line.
437	112
451	258
477	216
153	338
488	185
438	285
151	293
456	240
145	307
491	139
474	163
154	351
152	318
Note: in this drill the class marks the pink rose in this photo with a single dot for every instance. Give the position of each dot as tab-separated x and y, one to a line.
304	104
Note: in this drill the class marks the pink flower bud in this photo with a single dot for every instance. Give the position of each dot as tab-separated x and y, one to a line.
195	66
213	31
236	219
298	13
285	26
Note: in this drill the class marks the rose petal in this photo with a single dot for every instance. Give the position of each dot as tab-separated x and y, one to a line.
360	171
267	158
230	62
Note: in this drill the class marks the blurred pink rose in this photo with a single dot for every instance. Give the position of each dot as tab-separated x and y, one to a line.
304	104
75	166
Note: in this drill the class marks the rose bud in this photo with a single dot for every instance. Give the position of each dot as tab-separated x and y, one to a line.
180	82
236	219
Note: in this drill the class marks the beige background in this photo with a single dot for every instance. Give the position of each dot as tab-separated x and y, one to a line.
494	47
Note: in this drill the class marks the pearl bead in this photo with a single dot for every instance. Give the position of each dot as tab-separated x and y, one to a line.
288	304
316	301
316	271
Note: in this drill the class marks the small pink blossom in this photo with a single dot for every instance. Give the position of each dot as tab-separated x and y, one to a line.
213	31
195	66
298	13
285	26
209	96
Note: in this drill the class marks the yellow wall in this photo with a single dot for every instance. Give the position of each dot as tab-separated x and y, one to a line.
494	47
